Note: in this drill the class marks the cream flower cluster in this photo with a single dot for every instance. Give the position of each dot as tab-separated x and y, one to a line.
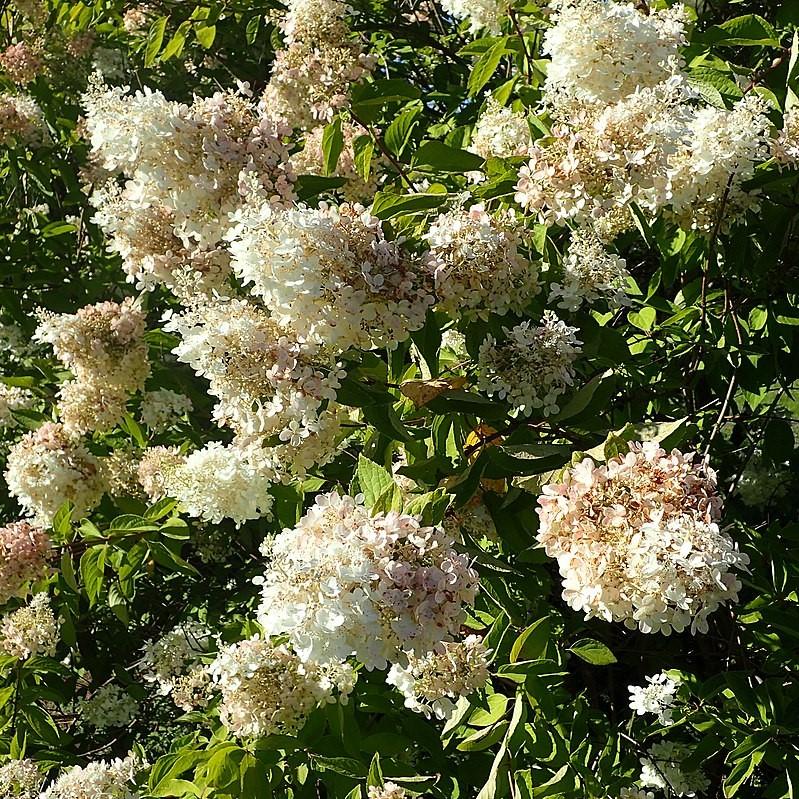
627	129
483	15
662	768
330	274
785	148
188	167
20	779
388	790
109	706
312	76
433	682
636	540
47	468
476	266
13	398
310	161
99	779
345	583
532	366
103	346
166	661
266	689
162	408
24	551
21	122
601	51
263	376
590	273
30	630
656	697
500	132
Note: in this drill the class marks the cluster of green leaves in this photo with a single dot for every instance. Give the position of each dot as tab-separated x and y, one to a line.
706	354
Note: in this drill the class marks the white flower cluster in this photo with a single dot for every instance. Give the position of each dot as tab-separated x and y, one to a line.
485	15
162	408
188	167
433	682
21	122
601	51
590	273
345	583
312	76
20	779
266	689
500	132
785	148
476	266
13	398
628	129
388	790
168	660
311	161
656	697
24	551
31	630
330	274
662	768
47	467
103	345
99	779
532	366
263	375
636	540
109	706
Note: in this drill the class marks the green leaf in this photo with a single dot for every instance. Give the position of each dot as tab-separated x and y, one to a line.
593	652
332	146
205	35
748	30
363	150
440	157
387	205
399	131
375	776
92	571
486	65
532	643
741	772
62	521
643	319
373	480
155	38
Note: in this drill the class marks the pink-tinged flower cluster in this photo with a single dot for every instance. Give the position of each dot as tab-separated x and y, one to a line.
343	582
103	345
47	468
22	63
21	121
24	550
636	540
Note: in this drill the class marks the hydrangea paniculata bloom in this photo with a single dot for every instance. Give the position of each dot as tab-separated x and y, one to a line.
330	274
343	582
485	15
590	273
500	132
20	779
476	265
30	630
162	408
656	697
13	398
24	551
21	121
636	540
432	683
532	366
109	706
662	768
267	689
47	468
98	779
